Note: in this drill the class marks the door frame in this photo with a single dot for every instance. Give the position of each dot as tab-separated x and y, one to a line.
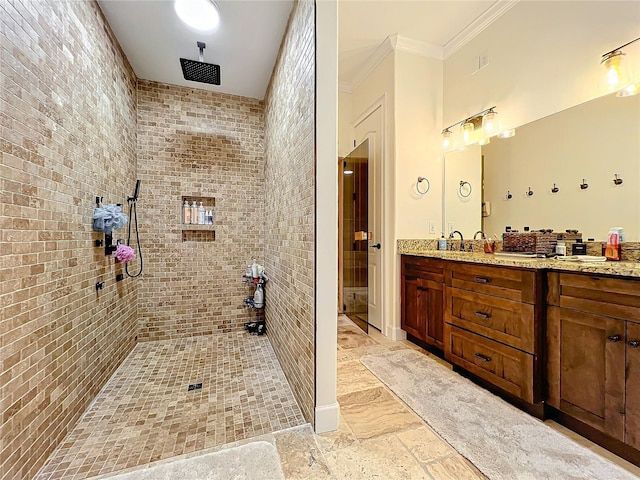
386	235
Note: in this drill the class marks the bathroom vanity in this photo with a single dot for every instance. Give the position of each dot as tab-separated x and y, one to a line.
559	339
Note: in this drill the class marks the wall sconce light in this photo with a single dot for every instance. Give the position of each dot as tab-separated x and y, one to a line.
617	73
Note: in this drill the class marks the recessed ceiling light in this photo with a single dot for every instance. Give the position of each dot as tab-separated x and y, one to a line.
202	15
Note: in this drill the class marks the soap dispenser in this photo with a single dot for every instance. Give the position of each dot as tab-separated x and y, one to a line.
186	213
442	243
201	219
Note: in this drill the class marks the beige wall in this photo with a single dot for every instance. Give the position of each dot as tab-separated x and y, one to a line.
67	135
196	143
462	207
345	129
289	206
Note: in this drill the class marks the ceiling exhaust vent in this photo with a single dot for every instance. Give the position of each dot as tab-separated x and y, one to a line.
199	71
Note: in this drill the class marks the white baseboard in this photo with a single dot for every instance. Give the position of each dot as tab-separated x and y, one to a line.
395	333
327	418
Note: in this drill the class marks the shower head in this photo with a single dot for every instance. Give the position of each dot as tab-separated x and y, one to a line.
199	71
135	193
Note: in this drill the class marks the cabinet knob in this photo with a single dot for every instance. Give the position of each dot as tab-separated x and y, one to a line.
613	338
483	315
482	279
634	343
484	358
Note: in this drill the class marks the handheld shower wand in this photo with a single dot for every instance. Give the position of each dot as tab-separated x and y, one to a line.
133	216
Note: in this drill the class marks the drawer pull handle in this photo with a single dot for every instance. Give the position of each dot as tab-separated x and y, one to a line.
484	358
486	316
613	338
482	279
634	343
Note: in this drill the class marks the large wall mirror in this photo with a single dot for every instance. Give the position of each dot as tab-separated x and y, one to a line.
579	151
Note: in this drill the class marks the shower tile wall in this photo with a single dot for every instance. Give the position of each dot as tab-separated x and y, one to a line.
290	205
193	142
67	135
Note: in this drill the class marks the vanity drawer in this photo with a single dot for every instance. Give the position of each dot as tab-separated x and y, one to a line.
608	296
422	267
512	283
506	321
505	367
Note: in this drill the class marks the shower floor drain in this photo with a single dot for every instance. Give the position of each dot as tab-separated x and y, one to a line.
195	386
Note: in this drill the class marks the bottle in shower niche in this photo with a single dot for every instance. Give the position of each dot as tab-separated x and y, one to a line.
186	213
201	217
194	213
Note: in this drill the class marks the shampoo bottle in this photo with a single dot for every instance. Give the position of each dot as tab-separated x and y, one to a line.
186	213
194	213
258	296
254	269
442	243
201	219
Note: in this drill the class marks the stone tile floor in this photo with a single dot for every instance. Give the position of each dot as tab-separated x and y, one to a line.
378	437
146	412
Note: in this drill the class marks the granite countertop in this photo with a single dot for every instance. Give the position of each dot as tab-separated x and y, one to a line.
623	268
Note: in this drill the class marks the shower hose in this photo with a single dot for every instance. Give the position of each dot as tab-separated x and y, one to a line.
133	217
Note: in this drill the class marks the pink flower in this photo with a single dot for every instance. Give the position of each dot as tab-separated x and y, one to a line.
124	253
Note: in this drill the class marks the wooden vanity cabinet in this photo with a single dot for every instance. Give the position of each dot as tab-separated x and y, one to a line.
422	298
492	326
593	343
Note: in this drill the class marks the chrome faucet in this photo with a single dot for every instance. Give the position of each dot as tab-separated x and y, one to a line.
461	239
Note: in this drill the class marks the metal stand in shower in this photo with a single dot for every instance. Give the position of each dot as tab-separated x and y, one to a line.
257	325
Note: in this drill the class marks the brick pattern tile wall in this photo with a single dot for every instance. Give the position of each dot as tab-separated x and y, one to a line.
197	143
67	135
289	205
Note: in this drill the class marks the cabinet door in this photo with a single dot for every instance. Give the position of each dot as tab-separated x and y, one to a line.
592	366
413	311
632	406
434	311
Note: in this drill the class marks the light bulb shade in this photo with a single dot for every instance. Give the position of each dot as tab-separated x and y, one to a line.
507	133
446	139
617	76
629	91
484	141
467	132
490	123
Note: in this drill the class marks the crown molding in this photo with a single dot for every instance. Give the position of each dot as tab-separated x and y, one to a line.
478	25
388	45
416	47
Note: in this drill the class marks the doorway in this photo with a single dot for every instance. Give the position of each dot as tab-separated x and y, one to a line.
354	172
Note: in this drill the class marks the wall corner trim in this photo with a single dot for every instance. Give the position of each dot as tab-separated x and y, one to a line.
396	333
327	418
490	15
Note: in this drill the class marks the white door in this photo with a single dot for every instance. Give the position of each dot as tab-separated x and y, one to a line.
371	128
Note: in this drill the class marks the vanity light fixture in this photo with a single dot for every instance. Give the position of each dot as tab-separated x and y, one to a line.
617	73
484	141
473	127
446	138
201	15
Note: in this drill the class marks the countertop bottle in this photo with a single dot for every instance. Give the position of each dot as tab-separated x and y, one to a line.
442	243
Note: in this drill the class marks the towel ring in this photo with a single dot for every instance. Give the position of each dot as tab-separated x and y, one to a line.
462	184
420	180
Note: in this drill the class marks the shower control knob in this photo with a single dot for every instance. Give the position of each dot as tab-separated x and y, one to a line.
375	245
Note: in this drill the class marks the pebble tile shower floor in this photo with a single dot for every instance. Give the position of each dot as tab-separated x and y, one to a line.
146	411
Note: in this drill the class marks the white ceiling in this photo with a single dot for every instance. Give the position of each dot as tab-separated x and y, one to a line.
245	45
364	24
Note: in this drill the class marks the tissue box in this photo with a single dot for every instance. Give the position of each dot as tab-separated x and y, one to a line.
529	242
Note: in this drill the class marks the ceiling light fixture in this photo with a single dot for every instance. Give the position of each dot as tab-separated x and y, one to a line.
617	73
201	15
